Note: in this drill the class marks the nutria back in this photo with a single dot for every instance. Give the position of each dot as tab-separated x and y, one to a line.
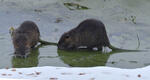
27	27
90	33
92	30
25	37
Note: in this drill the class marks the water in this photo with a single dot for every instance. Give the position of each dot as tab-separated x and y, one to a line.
53	19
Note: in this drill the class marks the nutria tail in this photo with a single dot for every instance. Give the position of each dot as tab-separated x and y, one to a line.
124	50
46	42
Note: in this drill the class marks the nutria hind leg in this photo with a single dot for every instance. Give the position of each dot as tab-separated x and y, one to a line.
32	46
100	48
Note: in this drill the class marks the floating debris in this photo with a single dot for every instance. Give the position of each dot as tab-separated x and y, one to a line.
75	6
58	20
131	18
113	62
133	61
38	10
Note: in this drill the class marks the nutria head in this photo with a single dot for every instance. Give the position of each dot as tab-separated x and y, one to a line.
21	45
67	41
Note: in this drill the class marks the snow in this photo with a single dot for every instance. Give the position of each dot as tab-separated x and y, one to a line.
74	73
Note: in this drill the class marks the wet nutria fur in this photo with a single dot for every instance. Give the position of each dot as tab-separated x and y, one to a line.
90	33
25	37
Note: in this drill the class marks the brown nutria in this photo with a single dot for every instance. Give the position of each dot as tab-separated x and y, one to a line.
90	33
25	37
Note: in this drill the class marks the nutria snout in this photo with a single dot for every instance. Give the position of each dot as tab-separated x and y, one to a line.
21	45
64	42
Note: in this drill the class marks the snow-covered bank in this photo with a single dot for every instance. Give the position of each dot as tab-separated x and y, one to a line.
76	73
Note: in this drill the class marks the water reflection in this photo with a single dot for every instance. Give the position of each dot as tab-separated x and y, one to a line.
30	61
85	58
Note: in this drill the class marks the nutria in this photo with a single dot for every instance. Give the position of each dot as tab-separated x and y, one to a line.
25	37
90	33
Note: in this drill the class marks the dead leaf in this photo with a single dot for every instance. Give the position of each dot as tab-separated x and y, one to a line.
81	73
92	79
53	78
66	73
13	69
139	75
9	74
31	74
58	68
19	72
6	68
127	75
38	73
3	74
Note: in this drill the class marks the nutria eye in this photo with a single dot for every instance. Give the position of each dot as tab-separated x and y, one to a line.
67	37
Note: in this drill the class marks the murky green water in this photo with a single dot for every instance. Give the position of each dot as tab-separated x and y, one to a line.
53	19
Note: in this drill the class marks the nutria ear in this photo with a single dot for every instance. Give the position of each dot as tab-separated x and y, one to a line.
11	30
